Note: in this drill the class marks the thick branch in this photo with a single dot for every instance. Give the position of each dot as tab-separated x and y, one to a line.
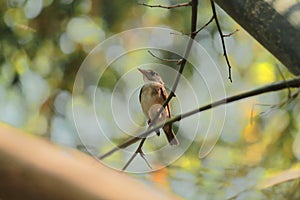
268	88
32	168
272	23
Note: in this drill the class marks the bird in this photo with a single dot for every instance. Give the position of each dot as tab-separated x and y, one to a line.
152	96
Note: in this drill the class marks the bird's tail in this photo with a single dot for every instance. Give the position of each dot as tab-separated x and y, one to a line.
172	139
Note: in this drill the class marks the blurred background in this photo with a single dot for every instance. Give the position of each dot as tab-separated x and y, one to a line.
44	42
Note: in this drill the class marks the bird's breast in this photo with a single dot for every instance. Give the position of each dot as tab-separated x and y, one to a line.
150	95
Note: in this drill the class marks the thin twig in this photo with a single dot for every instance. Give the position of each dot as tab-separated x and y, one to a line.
290	98
282	76
167	7
269	181
205	25
222	38
200	29
164	59
146	161
294	83
230	34
25	27
137	151
252	111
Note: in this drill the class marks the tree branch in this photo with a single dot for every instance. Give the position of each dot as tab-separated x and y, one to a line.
186	55
294	83
194	4
54	172
137	151
222	36
178	61
281	177
205	25
167	7
272	24
230	34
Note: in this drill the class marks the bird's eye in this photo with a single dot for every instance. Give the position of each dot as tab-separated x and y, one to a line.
154	73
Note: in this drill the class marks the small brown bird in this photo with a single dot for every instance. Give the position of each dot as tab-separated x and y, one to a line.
152	96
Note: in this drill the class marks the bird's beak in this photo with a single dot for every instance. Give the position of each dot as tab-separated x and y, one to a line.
142	71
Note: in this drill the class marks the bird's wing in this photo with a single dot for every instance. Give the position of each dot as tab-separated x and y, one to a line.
140	95
164	94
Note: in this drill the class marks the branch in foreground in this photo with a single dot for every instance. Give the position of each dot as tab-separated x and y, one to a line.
294	83
62	173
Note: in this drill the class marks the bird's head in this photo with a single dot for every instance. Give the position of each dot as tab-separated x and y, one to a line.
151	76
